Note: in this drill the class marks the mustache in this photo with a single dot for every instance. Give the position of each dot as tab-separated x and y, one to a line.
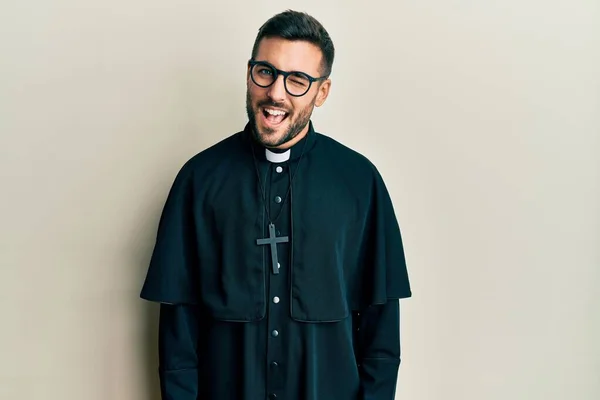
275	104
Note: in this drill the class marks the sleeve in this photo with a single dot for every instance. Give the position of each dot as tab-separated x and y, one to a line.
378	334
178	352
172	274
171	280
385	281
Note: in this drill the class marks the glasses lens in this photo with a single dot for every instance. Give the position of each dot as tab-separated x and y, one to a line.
263	75
297	84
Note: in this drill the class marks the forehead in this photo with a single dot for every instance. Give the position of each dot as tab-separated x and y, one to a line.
297	55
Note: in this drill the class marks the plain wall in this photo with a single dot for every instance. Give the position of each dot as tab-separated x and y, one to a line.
483	117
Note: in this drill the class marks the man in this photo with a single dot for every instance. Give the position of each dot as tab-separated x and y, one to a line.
278	262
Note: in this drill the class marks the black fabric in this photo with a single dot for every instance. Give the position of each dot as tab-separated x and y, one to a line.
178	351
340	277
378	350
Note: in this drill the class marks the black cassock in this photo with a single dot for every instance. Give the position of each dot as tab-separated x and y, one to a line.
318	320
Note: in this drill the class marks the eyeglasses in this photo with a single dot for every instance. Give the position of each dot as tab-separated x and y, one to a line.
296	83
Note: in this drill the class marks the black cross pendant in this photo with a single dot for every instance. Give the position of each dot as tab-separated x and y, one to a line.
273	240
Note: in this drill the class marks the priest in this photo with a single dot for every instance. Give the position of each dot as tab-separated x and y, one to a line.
278	262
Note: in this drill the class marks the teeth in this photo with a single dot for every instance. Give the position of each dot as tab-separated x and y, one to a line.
275	112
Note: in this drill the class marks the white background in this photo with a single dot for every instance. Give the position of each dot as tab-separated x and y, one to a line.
483	117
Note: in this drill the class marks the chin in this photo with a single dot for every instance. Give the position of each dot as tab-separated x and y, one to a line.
272	139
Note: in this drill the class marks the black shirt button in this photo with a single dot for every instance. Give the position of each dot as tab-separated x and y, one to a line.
277	199
272	396
274	364
275	333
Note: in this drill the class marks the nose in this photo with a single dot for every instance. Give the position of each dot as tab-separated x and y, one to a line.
276	91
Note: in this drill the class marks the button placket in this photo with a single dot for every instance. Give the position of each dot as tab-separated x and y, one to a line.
276	327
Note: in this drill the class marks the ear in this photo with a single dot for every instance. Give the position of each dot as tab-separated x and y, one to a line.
323	92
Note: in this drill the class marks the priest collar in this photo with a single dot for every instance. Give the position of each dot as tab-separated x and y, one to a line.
278	155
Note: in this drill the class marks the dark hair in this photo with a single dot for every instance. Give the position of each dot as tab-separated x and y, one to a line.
294	25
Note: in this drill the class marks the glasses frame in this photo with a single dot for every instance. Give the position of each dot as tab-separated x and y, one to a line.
253	63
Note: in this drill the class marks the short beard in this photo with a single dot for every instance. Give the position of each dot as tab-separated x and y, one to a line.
302	119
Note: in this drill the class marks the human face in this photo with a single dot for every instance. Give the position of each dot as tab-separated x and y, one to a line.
283	131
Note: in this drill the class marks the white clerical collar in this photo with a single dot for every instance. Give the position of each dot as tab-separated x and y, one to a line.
277	157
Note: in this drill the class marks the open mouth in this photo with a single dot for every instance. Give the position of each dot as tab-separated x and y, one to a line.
273	117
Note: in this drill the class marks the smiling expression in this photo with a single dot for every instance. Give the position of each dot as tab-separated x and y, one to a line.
279	119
